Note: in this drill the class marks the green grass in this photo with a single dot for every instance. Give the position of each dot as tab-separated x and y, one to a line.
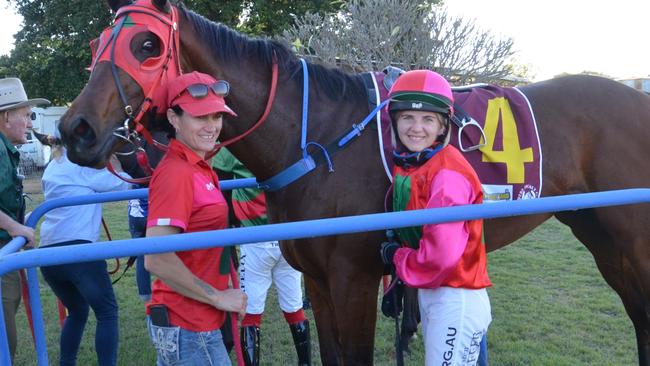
550	306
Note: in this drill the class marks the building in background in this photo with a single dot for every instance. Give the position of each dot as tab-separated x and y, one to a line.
33	155
641	84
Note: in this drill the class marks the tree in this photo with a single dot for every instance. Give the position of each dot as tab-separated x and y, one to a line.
584	72
370	34
260	17
272	17
52	51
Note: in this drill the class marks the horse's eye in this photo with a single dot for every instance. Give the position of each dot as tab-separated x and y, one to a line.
148	46
145	45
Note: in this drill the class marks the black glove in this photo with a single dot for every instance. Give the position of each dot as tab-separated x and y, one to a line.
387	251
392	301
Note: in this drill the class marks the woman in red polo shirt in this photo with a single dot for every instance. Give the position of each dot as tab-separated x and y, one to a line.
191	295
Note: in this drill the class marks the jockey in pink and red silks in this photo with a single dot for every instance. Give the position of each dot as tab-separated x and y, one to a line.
446	262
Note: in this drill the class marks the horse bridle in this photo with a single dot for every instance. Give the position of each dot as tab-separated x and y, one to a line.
132	128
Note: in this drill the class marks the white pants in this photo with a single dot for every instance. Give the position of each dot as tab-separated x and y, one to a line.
261	264
454	320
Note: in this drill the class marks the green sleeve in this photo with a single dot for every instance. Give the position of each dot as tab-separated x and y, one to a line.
224	161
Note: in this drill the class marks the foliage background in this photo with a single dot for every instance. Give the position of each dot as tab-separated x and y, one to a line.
52	49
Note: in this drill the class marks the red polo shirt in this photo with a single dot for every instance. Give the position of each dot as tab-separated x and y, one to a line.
184	192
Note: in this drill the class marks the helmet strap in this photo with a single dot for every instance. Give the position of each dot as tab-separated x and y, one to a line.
415	159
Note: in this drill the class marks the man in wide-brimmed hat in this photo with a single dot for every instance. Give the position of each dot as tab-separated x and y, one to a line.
15	119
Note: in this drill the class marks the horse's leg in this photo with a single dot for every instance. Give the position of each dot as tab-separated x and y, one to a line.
623	262
347	311
354	295
325	321
342	277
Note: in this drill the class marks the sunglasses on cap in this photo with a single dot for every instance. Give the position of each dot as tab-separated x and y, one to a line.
198	91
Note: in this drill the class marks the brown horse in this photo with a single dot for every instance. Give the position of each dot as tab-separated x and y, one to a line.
593	132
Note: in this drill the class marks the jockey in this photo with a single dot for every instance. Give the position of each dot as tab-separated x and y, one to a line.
446	262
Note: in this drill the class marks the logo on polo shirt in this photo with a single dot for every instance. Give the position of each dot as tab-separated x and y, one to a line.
163	222
210	186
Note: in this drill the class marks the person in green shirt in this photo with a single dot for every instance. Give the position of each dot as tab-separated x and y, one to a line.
15	119
262	264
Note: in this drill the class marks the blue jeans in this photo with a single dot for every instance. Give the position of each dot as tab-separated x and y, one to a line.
483	355
80	286
176	346
138	229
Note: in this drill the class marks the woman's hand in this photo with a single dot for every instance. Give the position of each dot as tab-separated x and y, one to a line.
232	300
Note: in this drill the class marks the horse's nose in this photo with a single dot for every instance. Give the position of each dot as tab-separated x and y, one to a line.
82	134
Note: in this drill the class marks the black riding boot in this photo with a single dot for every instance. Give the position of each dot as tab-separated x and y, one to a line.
250	344
302	340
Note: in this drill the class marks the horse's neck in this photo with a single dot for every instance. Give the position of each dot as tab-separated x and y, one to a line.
276	144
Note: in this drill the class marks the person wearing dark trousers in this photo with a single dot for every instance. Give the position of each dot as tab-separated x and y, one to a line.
80	286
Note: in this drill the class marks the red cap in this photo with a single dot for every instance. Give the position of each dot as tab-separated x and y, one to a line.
197	107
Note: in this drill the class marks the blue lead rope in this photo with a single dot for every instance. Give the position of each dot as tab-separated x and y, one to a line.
305	107
307	163
357	129
305	113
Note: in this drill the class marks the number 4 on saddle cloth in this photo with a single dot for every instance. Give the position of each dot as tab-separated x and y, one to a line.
499	137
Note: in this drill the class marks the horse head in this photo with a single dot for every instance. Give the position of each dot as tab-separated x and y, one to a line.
132	59
136	56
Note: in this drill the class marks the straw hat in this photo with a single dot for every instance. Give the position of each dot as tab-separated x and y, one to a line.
12	95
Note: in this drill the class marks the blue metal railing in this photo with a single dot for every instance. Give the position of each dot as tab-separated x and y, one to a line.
302	229
32	275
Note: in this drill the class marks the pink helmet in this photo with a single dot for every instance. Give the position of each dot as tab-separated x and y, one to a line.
421	90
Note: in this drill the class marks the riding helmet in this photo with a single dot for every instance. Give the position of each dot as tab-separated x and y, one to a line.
423	90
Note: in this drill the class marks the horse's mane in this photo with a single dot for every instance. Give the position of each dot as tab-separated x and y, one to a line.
228	45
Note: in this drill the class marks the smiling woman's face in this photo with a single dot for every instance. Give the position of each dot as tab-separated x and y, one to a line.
198	133
418	130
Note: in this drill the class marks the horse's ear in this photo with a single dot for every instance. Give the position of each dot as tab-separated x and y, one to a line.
116	4
162	5
47	140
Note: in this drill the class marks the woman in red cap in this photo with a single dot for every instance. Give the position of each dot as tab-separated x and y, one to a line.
446	262
191	295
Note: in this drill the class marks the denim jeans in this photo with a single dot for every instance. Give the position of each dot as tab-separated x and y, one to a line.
483	356
80	286
138	228
176	346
